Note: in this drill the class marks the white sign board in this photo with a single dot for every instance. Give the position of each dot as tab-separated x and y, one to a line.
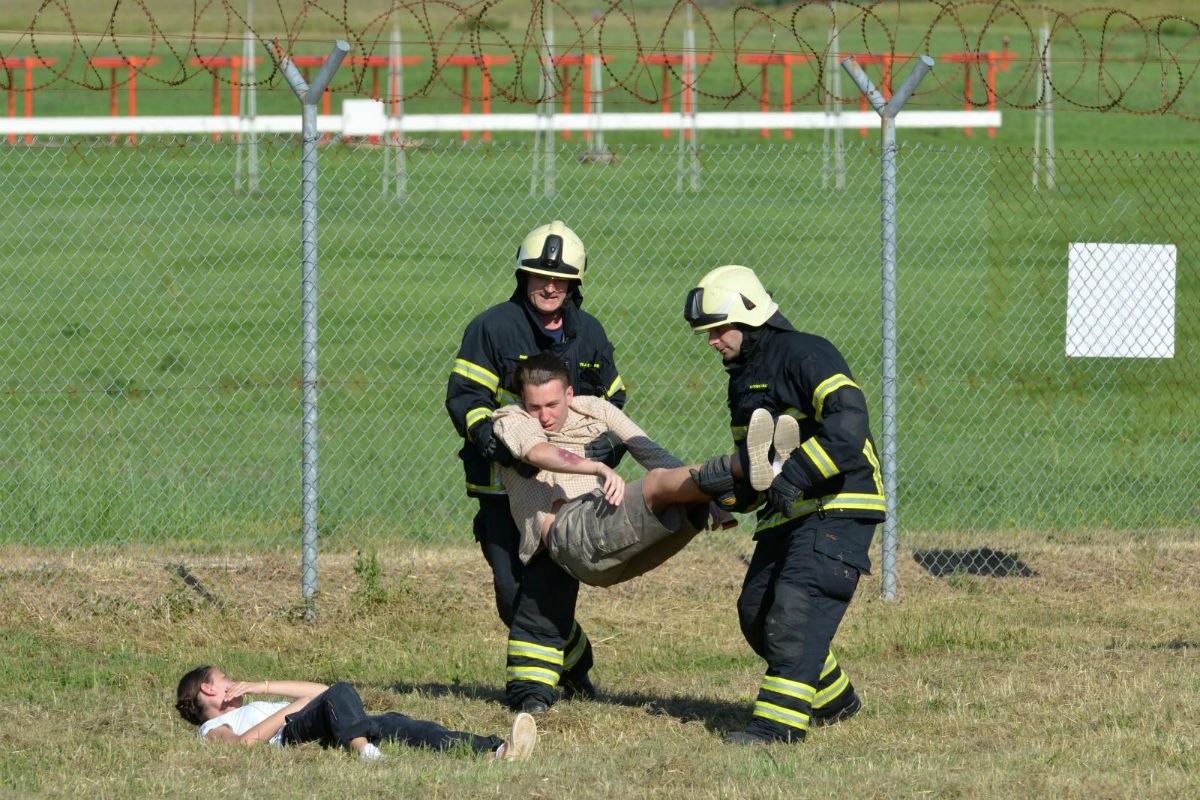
1121	300
363	118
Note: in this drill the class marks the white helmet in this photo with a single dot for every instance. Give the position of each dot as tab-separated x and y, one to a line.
554	251
729	295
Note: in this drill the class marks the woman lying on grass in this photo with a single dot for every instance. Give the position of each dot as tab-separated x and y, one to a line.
332	715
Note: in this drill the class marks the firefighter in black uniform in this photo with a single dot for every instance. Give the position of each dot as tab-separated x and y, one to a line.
547	649
820	510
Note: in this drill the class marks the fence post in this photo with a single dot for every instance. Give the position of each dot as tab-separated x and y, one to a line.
309	96
887	110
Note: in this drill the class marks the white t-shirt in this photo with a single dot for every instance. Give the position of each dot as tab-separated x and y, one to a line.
243	719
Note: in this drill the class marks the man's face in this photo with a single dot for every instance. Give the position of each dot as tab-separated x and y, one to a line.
546	294
548	404
726	340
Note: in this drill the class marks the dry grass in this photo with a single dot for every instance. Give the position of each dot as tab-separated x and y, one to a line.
1081	682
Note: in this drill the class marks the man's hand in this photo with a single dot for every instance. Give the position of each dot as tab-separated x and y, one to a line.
606	448
785	488
614	484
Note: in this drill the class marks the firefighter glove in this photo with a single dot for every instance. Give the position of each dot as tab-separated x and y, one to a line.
786	488
606	448
490	446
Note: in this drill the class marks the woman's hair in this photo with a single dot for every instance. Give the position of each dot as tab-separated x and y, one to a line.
187	701
539	370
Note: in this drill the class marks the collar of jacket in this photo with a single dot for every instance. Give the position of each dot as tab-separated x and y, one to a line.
755	338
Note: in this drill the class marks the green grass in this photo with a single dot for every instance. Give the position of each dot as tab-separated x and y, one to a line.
973	688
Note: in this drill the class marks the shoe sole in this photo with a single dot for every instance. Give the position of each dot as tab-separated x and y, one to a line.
759	435
787	438
522	739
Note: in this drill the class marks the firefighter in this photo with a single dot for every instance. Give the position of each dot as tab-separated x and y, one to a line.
548	652
823	499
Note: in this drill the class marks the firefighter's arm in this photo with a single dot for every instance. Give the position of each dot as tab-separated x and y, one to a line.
471	395
838	445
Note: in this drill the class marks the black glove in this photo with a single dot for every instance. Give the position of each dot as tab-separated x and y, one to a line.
606	448
490	446
786	488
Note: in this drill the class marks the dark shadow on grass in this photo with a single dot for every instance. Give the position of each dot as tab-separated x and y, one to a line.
715	715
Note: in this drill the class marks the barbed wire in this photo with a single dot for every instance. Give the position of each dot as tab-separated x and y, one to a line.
1097	59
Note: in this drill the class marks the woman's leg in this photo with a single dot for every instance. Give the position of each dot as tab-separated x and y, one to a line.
397	727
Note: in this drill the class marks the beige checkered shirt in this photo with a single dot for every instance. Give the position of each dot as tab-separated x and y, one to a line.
531	500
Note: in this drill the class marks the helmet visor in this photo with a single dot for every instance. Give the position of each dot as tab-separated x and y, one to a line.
696	316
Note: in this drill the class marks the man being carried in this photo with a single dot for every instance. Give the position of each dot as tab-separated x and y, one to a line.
595	527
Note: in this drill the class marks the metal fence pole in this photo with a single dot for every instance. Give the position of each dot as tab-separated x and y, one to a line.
887	113
309	96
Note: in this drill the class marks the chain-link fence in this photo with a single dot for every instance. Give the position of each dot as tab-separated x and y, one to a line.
151	322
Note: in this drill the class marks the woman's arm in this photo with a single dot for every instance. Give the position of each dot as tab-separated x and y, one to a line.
302	693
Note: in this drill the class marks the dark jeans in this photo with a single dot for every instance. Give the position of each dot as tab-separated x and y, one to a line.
336	716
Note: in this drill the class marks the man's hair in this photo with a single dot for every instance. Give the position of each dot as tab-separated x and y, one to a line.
538	370
187	701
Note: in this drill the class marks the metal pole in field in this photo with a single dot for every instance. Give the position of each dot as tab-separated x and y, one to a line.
689	155
395	147
887	111
310	96
1043	157
248	139
833	115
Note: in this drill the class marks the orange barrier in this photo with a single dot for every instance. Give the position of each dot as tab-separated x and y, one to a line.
564	65
130	63
482	63
668	60
26	64
234	65
785	60
994	62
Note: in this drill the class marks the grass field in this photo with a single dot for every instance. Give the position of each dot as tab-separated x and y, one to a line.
149	327
1013	688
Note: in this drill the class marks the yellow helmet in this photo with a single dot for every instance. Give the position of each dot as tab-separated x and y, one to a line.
729	295
554	251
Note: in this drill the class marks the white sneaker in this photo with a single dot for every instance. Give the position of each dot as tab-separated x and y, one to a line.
370	753
759	435
520	742
787	439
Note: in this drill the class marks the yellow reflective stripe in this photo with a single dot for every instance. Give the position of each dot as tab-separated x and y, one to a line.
820	459
739	432
794	413
855	502
830	692
876	472
830	665
833	502
477	415
474	372
550	655
535	674
828	387
800	691
474	487
617	385
506	398
793	719
576	652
